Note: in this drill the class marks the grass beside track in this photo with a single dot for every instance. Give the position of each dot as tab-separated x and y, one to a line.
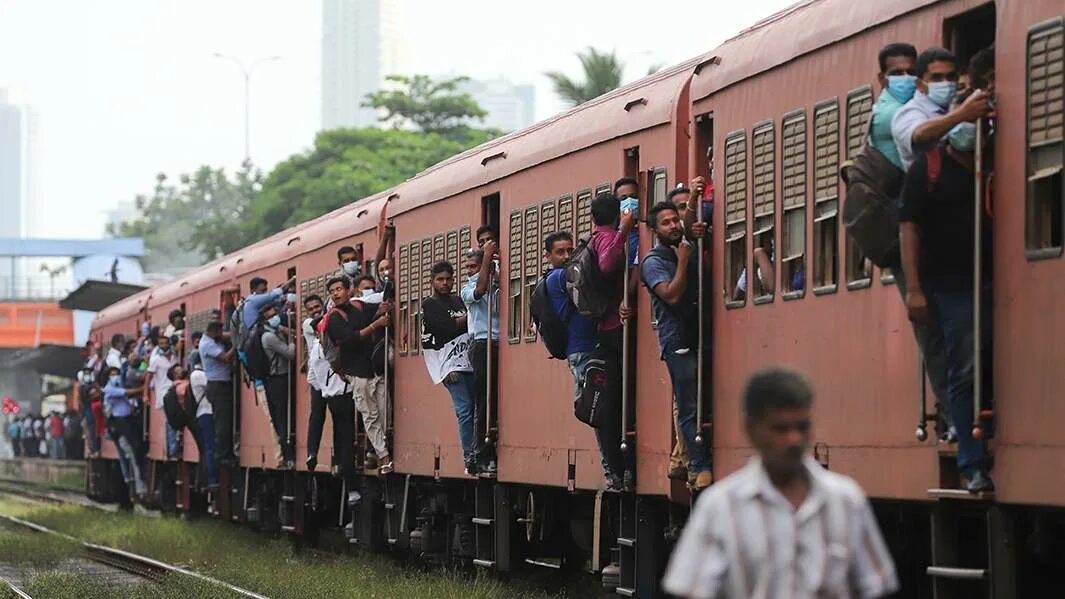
266	565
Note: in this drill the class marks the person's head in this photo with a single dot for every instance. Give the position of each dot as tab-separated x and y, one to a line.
898	71
384	269
348	259
313	305
680	196
177	318
937	75
176	372
486	233
269	315
605	209
777	406
558	247
364	283
443	278
339	289
982	70
214	330
473	262
626	187
164	344
664	218
129	347
216	314
117	340
113	374
258	285
965	87
196	335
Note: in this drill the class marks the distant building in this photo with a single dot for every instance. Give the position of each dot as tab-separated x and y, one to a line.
361	45
14	180
510	107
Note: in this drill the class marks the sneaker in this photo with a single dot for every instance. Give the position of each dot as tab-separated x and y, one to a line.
490	468
980	483
703	480
472	469
951	436
312	463
614	483
353	498
387	467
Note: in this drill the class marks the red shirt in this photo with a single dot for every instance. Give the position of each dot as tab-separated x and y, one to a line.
609	246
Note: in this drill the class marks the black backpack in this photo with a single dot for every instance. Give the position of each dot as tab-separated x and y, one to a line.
551	328
871	212
584	283
257	363
330	348
177	410
587	407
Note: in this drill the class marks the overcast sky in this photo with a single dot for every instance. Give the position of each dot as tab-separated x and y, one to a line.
124	89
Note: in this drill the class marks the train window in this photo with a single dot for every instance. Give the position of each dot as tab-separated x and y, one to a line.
532	267
735	217
565	213
426	285
414	333
602	187
404	298
859	110
584	213
1043	234
763	204
793	203
438	256
658	187
451	250
548	225
514	285
465	245
826	197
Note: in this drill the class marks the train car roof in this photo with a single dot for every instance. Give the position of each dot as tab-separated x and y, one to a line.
642	104
792	32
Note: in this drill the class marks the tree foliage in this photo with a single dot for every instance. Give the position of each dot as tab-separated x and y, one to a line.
430	105
602	74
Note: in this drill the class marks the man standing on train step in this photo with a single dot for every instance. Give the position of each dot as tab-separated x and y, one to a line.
159	364
218	366
482	269
670	272
280	348
782	526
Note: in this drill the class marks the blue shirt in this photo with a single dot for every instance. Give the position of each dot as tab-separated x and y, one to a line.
215	369
582	334
880	133
906	120
477	319
255	302
116	400
677	327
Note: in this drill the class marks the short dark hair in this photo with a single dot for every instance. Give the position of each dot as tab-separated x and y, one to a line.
485	229
214	326
114	369
476	255
311	298
676	191
256	282
553	238
170	371
652	214
266	308
347	249
442	266
196	335
605	209
625	181
344	281
895	49
773	389
982	63
117	338
174	314
362	278
931	55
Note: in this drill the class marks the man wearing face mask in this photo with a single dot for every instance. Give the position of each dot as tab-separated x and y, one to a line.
118	404
920	124
898	82
348	260
937	220
158	364
280	348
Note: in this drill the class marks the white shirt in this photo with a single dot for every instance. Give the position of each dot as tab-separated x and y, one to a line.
326	380
906	121
198	380
745	539
158	366
114	358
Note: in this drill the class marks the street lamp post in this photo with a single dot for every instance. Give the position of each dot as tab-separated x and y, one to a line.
246	70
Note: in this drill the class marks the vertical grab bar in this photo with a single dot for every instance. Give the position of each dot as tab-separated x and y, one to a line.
699	351
978	207
488	357
625	350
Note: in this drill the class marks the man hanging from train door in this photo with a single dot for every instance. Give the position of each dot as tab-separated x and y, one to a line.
482	269
162	358
119	408
218	366
670	272
280	349
937	230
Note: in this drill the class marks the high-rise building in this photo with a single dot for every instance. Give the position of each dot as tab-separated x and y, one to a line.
510	107
14	182
361	46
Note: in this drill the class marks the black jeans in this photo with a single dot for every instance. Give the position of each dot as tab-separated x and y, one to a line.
276	386
342	408
479	361
220	394
609	351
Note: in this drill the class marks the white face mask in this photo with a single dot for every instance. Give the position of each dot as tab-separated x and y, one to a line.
350	268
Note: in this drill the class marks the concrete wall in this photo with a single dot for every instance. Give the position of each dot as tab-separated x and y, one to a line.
40	470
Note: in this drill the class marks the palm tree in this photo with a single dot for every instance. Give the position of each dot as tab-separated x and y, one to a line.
602	73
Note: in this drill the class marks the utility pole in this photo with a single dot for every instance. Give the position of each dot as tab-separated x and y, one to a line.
246	71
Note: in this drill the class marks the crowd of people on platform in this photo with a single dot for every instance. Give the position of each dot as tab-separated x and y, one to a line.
57	435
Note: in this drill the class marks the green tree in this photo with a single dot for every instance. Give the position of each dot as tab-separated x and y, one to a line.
602	74
430	105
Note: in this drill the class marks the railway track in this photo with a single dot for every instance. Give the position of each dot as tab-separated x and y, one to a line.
132	563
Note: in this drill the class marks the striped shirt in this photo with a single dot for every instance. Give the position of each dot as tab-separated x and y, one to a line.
745	539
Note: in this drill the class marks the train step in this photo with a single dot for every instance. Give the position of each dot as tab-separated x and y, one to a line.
484	563
483	521
957	573
624	542
625	591
960	494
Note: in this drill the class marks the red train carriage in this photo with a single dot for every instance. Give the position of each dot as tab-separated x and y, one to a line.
779	107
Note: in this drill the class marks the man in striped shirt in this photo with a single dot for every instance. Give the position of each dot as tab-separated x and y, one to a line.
782	526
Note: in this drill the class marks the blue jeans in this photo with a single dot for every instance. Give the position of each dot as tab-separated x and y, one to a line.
608	435
682	371
956	319
463	392
173	441
206	423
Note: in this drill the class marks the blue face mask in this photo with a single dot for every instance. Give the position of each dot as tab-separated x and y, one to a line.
963	137
291	297
275	321
902	86
942	92
116	379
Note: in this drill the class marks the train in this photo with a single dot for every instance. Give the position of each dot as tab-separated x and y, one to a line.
779	108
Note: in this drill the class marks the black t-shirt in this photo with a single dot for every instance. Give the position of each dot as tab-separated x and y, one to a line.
438	320
355	352
946	216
